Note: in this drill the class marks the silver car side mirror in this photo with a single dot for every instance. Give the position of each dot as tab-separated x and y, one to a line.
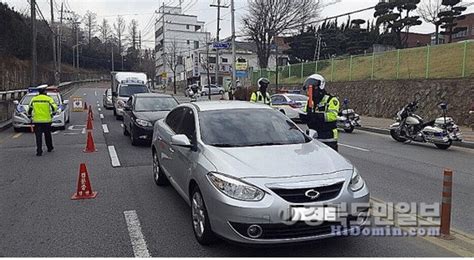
181	140
312	133
16	103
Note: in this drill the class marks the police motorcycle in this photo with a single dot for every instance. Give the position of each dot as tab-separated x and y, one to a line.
441	132
348	120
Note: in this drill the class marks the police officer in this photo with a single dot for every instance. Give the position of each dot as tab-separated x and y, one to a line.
322	111
41	108
261	95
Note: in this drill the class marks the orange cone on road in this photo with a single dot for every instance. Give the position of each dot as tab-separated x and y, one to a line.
91	114
90	147
89	123
445	227
84	188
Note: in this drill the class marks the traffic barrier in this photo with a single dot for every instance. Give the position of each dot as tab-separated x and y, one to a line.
84	188
445	229
91	113
90	146
89	125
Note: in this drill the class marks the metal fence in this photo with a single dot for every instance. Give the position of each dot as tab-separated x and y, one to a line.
455	60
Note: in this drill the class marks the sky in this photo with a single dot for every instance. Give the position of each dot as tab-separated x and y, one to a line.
143	12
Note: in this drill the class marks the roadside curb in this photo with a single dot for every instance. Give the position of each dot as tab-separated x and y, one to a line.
469	145
5	125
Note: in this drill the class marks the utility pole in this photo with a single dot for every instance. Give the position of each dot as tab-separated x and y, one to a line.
60	43
56	81
113	64
163	58
219	6
234	83
34	56
77	43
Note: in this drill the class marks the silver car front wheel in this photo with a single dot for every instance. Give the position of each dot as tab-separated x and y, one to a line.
158	175
201	226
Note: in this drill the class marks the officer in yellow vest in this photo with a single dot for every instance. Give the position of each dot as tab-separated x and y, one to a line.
322	111
262	96
41	108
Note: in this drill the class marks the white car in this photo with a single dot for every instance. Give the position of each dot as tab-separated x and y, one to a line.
60	119
292	105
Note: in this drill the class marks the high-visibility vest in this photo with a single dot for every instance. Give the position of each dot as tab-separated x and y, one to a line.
329	107
42	107
257	97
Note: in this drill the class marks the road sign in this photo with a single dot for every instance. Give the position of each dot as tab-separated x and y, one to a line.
77	104
242	66
221	45
241	74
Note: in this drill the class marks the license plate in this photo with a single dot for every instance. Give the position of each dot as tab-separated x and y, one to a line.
318	213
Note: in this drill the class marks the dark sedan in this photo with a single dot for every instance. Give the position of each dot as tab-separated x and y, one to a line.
142	111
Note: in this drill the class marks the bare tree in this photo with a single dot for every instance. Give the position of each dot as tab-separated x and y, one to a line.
119	27
269	18
90	23
105	31
173	60
133	31
429	10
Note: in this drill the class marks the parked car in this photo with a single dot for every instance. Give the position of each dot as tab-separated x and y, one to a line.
60	118
215	90
291	105
107	99
249	173
142	111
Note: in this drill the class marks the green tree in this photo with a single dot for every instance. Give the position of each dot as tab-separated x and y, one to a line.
395	16
449	16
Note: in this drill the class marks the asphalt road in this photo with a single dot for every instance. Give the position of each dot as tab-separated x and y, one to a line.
38	218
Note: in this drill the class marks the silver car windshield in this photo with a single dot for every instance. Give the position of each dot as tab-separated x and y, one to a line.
248	127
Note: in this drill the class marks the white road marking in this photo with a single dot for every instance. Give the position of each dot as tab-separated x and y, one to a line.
100	109
85	94
105	128
121	125
72	128
114	157
17	135
101	116
55	132
95	92
83	131
354	147
139	246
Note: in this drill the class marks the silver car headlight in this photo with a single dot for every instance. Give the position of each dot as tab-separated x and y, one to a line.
357	183
234	188
142	122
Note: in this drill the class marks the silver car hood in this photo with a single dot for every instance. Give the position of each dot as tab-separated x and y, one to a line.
277	161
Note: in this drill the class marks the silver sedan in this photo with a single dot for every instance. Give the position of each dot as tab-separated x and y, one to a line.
252	176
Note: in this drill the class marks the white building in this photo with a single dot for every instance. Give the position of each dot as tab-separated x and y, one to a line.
197	61
176	36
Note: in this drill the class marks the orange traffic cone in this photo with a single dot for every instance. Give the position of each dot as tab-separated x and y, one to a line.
90	146
89	123
91	114
84	188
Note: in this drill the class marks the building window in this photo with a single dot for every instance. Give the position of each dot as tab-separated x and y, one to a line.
212	59
188	42
225	60
197	28
187	27
460	34
196	44
472	30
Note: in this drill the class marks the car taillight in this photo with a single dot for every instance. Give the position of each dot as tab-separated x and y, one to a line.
296	105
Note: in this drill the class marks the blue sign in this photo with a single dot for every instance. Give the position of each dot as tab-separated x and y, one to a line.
221	45
241	74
